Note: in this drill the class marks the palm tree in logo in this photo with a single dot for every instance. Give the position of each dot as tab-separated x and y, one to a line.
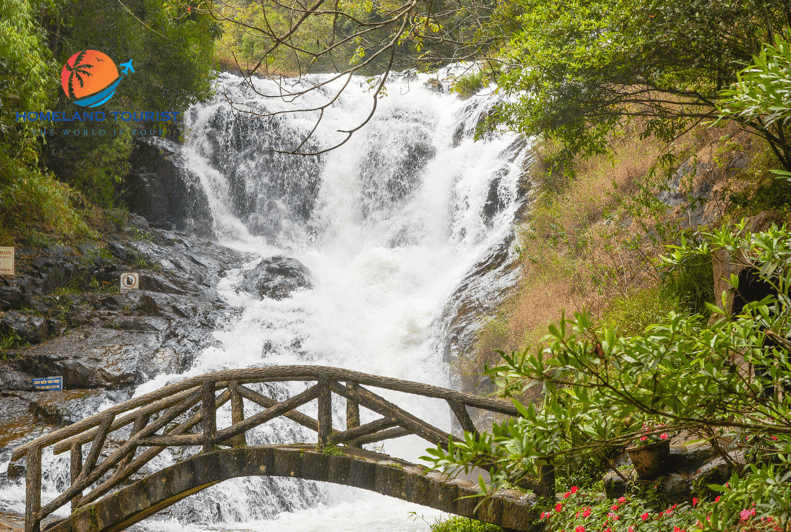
78	70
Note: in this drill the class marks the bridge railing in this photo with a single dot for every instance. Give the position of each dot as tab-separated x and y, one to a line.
156	424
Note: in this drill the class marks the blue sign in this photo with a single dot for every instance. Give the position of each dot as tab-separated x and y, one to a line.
49	383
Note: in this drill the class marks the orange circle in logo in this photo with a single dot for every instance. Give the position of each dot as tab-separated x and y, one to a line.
86	73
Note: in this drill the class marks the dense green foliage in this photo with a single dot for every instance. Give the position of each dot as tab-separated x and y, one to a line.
577	68
171	51
51	180
600	388
761	97
462	524
27	193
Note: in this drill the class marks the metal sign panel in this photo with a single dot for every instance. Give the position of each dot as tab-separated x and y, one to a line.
130	281
49	383
6	261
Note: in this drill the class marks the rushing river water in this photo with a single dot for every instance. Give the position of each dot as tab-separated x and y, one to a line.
389	225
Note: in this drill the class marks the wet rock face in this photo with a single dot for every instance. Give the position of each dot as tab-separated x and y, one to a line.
277	278
434	85
392	168
31	329
113	340
476	298
274	193
165	194
63	315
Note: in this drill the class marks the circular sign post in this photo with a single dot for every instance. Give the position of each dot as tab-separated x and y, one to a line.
130	281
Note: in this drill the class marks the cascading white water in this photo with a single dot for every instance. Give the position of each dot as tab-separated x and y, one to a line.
388	225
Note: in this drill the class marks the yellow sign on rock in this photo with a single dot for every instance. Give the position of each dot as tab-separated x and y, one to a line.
6	261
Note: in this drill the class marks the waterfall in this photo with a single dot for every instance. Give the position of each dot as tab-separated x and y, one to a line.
400	228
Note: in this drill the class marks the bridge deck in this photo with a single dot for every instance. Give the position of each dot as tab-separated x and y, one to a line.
362	469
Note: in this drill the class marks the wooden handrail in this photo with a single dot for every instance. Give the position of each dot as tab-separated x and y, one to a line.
268	374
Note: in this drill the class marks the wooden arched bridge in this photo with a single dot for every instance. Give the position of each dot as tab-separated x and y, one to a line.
185	414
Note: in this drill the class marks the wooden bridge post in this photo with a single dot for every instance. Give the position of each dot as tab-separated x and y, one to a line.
237	414
352	413
325	411
76	469
209	410
33	490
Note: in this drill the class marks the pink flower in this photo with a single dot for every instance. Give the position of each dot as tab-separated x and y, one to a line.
631	529
694	501
622	500
543	515
717	499
579	529
586	512
746	514
614	507
676	529
558	507
774	438
663	435
643	438
645	516
567	495
574	489
613	516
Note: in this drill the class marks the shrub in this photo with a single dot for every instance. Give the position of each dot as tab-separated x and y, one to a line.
599	387
462	524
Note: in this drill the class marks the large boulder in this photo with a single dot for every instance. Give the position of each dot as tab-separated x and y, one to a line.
30	329
276	278
92	358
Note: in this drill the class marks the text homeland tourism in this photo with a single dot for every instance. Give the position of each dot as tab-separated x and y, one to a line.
97	116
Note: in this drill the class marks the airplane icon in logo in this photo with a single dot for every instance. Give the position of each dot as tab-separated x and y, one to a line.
127	67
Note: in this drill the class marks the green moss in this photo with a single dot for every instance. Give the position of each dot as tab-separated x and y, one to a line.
118	217
332	450
463	524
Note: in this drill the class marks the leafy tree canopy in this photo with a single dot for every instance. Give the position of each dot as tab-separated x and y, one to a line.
575	68
171	47
45	181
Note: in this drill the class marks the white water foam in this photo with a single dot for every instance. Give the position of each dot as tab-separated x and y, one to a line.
395	219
